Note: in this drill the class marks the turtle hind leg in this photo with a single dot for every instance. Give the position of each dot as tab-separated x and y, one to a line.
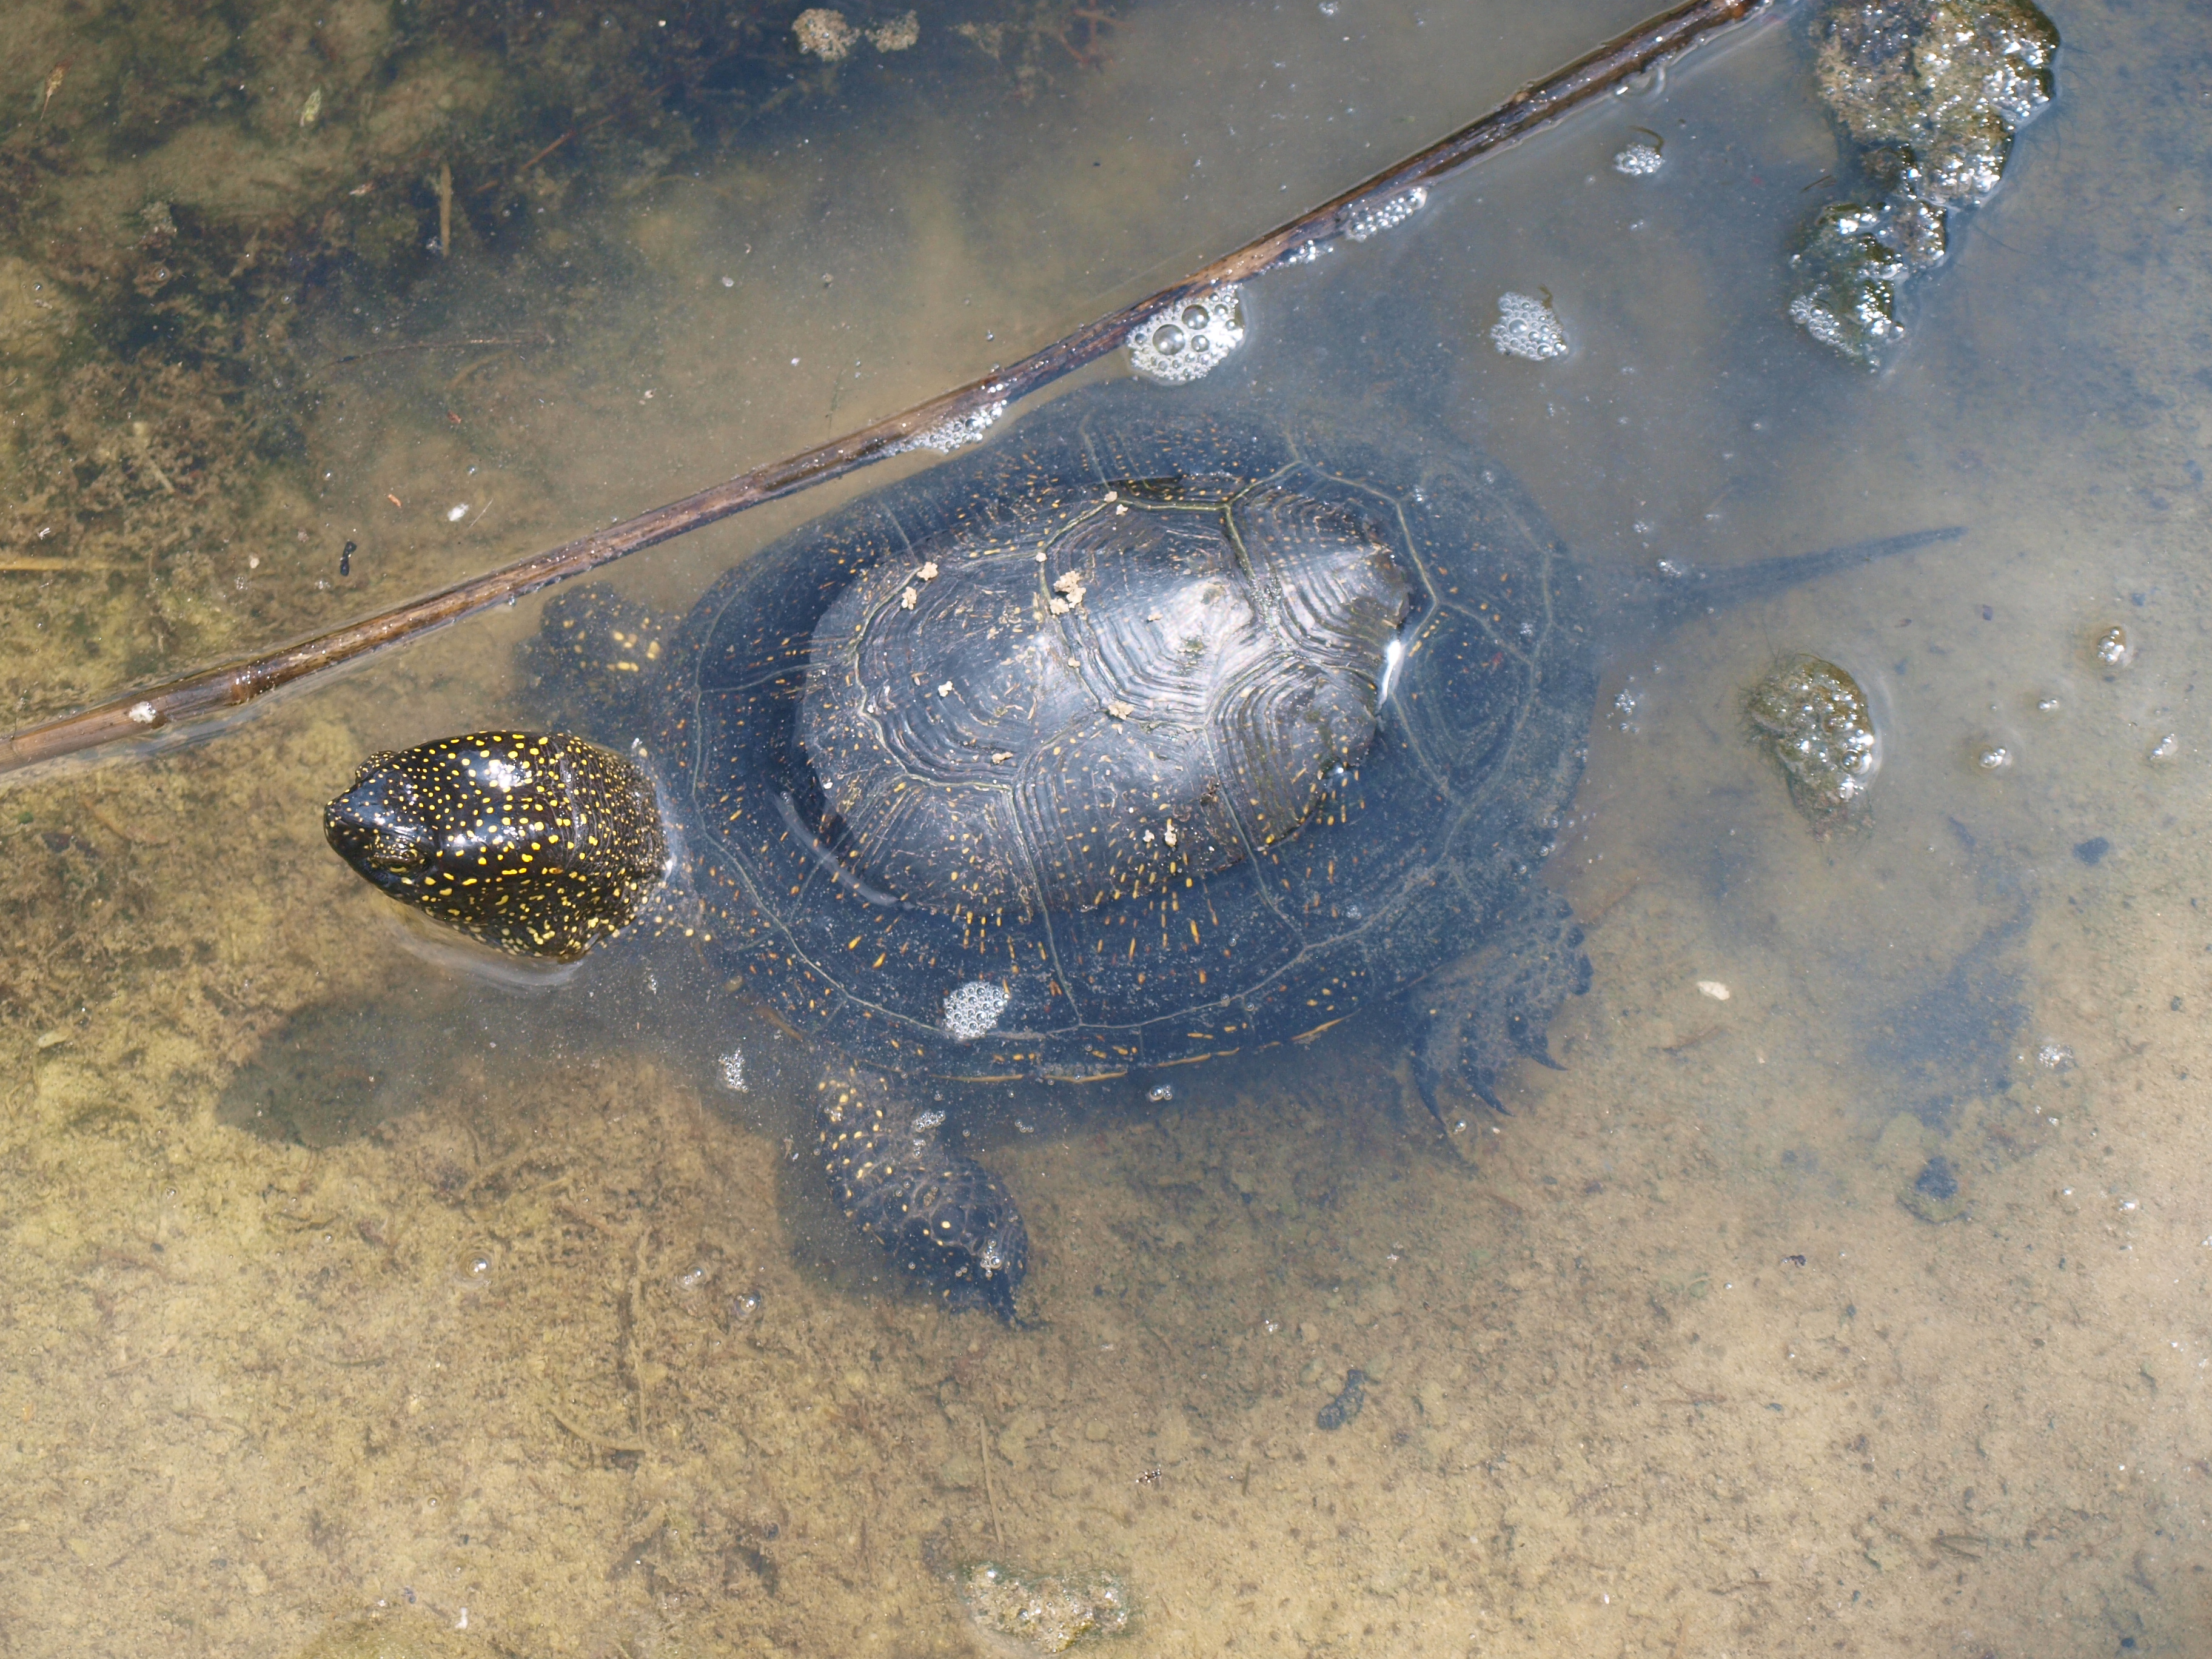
1482	1013
595	663
942	1216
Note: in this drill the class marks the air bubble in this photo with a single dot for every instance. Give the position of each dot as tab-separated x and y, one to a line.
1362	222
1527	327
973	1010
2112	647
1992	756
1176	346
1639	160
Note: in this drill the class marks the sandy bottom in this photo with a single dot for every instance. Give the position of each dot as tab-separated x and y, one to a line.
565	1347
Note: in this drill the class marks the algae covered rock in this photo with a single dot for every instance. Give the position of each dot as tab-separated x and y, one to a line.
1934	91
1043	1612
1812	717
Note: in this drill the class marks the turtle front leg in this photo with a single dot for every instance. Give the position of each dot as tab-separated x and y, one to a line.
943	1216
1482	1013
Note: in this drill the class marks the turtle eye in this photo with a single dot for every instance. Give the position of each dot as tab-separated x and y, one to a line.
397	846
369	836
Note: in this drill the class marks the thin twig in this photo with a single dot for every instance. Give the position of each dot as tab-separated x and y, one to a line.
636	1345
152	712
438	345
990	1495
601	1442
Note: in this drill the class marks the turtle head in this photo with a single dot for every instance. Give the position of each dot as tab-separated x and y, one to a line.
541	845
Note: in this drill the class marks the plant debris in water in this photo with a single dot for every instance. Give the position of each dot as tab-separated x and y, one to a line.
167	322
1933	91
1812	717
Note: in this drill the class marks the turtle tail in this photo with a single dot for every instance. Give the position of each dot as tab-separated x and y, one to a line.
1671	593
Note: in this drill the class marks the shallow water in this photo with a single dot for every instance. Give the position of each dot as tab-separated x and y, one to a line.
341	1279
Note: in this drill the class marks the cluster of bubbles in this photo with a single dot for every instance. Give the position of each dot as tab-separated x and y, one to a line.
1527	327
959	431
972	1009
1179	344
1639	159
1365	222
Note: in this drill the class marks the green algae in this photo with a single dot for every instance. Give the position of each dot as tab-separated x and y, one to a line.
1812	719
1934	92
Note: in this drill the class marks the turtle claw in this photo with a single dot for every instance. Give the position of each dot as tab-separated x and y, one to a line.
1486	1010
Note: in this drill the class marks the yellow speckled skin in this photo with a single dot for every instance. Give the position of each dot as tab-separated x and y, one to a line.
940	1215
539	845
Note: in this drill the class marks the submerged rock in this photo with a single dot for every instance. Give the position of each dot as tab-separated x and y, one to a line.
1935	91
1043	1612
1812	717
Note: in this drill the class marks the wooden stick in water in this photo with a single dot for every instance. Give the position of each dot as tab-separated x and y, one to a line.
939	422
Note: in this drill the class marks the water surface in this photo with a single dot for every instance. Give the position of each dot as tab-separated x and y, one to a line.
341	1279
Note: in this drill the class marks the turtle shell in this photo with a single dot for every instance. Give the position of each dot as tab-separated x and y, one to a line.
1146	733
